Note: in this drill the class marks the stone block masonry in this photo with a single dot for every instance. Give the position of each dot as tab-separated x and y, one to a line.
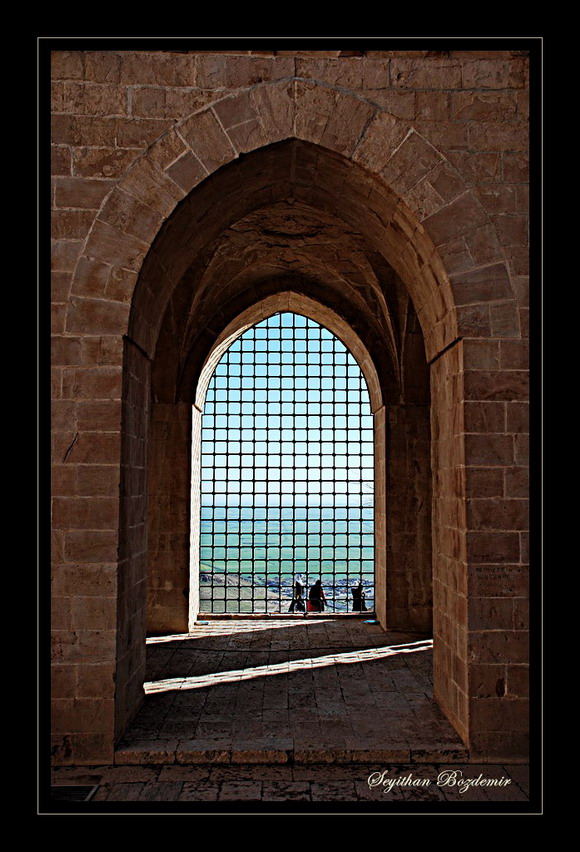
414	169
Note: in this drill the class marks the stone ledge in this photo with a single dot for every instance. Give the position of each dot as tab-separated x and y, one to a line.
202	753
438	753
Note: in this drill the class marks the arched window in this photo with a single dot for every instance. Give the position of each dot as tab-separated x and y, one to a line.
287	469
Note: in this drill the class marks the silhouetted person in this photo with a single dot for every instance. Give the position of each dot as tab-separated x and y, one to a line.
298	599
316	599
358	598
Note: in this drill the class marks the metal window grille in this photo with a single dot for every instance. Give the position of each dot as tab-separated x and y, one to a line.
287	471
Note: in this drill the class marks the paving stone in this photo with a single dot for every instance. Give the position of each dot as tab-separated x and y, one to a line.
252	753
511	793
334	791
520	776
147	752
274	791
192	774
168	791
102	794
198	792
310	735
131	792
320	755
422	794
240	791
202	751
438	753
180	728
130	774
376	794
482	789
253	772
80	774
396	753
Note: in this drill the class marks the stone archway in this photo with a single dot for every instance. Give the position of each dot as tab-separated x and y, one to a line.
340	154
350	284
276	249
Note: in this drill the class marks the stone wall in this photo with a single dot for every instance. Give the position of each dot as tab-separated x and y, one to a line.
426	157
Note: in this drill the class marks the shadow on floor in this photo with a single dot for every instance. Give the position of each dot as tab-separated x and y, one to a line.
291	716
302	690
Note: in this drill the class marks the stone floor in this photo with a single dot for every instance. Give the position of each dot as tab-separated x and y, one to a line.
301	788
284	711
299	689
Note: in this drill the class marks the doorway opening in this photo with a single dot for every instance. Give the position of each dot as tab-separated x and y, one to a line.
287	474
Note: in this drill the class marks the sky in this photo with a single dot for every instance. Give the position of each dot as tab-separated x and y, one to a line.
287	420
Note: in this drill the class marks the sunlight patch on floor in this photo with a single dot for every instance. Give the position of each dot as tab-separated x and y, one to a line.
217	678
251	625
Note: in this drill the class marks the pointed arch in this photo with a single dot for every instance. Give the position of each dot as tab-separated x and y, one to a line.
412	204
301	304
294	498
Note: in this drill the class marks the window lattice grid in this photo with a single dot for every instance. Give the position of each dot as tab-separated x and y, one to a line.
287	471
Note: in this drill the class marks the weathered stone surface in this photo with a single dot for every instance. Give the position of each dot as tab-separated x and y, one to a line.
485	417
493	547
102	66
110	245
410	162
487	284
497	580
461	216
156	156
60	161
494	74
152	187
329	118
67	65
484	482
432	106
382	136
275	106
101	162
483	106
496	136
425	73
187	171
207	139
509	385
488	450
93	99
396	102
130	216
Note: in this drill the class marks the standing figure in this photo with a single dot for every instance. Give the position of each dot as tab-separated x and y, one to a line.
316	599
297	599
358	598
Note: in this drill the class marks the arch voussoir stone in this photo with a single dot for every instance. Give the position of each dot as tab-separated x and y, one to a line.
276	108
329	117
410	161
207	139
131	216
116	248
459	217
147	182
382	135
240	117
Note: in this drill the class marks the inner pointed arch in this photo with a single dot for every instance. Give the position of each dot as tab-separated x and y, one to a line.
300	304
286	488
